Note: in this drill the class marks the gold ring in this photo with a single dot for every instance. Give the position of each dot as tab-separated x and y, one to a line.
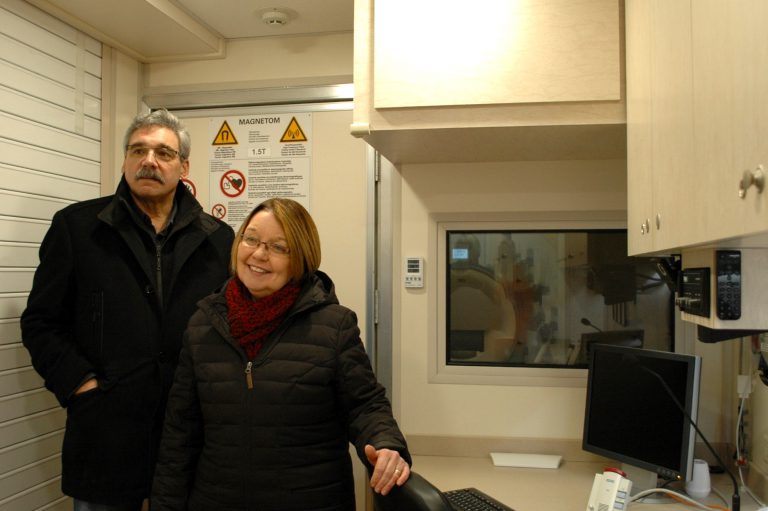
397	471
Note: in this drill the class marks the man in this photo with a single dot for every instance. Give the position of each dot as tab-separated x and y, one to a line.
118	279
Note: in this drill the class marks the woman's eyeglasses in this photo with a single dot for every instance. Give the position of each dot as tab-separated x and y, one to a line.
272	248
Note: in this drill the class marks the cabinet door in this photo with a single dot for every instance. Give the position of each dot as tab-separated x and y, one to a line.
750	109
712	42
436	53
674	177
639	133
730	54
659	123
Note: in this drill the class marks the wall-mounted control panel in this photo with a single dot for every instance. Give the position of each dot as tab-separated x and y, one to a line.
738	278
693	291
414	272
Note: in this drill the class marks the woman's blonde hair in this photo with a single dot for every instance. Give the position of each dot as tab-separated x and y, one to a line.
300	234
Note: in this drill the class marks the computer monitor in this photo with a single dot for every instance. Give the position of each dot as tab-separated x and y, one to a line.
629	337
631	416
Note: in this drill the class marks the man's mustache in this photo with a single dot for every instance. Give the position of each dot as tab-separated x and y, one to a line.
149	173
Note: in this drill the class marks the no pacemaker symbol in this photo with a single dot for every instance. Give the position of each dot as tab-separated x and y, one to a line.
232	183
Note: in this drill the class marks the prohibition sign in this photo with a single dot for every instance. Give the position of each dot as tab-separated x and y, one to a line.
232	183
190	186
219	211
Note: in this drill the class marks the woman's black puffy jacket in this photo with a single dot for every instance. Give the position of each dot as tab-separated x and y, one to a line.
273	433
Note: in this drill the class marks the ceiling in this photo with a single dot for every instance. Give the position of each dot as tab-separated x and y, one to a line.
166	30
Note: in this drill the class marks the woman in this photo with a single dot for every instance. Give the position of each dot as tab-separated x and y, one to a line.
273	382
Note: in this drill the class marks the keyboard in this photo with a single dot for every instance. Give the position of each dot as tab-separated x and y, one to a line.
472	499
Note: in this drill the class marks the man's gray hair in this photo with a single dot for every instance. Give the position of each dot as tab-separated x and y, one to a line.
165	119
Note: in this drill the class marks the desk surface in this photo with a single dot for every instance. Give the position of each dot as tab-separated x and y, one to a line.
523	489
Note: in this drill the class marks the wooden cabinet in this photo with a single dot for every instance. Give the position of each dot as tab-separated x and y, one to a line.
730	122
531	80
697	89
659	121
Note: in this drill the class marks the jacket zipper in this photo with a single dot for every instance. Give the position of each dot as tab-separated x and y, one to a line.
249	365
159	272
248	377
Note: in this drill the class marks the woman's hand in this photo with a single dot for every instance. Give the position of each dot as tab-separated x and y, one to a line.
389	469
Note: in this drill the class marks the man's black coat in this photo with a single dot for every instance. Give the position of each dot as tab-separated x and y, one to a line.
110	301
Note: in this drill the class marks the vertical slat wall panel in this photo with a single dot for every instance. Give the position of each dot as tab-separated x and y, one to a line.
50	129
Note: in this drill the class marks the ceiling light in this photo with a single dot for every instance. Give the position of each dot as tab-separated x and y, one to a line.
275	18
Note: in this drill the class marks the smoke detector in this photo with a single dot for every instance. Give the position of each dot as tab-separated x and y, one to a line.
275	18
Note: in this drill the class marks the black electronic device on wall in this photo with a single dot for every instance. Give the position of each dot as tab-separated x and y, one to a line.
693	291
728	284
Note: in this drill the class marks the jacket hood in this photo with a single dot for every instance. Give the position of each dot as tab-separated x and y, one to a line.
318	288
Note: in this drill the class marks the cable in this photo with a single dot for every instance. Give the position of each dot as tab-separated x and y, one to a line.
735	498
741	458
738	454
720	495
676	496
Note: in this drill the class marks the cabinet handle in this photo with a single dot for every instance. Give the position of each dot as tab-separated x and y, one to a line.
752	177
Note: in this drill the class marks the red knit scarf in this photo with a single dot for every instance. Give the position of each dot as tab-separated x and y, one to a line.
252	320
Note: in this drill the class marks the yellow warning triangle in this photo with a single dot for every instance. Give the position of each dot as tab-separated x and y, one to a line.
293	132
225	136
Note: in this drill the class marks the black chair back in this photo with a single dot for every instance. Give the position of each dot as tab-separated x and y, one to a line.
417	494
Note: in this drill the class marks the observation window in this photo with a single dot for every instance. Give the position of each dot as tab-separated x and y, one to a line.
522	298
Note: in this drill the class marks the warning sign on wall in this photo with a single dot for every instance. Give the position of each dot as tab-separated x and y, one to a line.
190	186
253	158
225	136
293	133
232	183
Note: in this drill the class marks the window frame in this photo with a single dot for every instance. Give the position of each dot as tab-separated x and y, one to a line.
441	372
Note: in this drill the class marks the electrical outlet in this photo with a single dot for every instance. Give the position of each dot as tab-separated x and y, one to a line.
744	385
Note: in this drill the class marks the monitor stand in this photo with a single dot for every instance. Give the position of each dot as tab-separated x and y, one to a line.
644	480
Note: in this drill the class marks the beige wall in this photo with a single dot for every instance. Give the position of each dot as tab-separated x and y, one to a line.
506	187
338	175
424	408
121	90
296	60
338	166
487	410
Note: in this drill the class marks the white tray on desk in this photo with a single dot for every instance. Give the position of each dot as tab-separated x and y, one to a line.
525	460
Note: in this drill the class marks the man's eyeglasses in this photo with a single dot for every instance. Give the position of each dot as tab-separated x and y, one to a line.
162	152
272	248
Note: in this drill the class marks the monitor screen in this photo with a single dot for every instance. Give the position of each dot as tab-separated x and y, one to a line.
630	414
460	254
630	337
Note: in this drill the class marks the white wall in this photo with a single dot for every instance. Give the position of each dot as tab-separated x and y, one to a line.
504	187
338	179
425	409
487	410
279	61
50	115
338	199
